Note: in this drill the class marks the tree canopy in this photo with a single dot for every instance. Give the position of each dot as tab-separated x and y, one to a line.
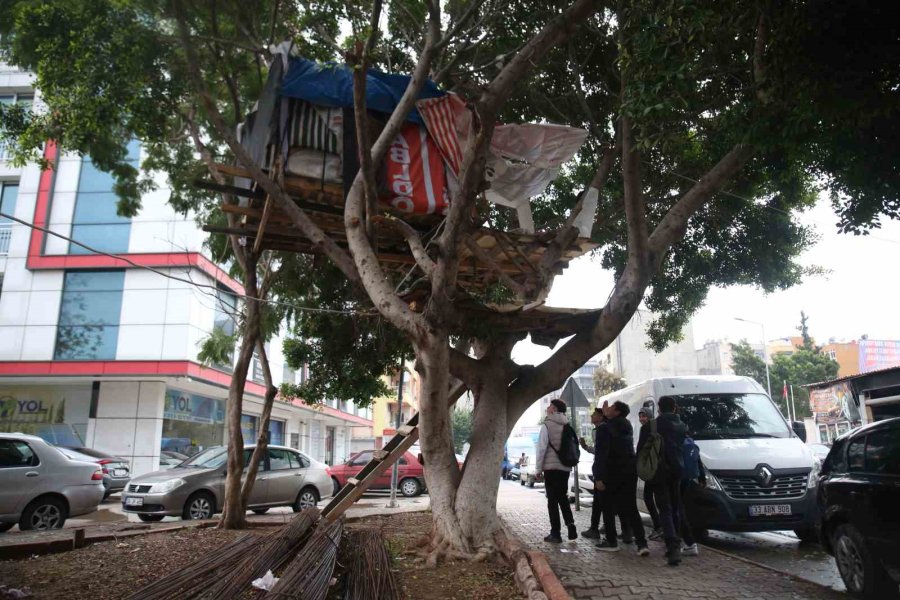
606	382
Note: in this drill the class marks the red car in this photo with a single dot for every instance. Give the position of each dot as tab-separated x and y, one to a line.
410	474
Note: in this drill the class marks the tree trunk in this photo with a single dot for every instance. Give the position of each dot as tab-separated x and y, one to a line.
262	440
233	514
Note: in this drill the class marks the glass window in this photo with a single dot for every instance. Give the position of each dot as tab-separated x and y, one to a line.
226	310
89	315
9	193
279	459
14	453
249	427
248	454
212	458
106	237
363	458
856	454
837	458
883	452
726	416
276	432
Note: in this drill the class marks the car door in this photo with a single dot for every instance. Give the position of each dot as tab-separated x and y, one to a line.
285	479
883	473
357	463
259	493
21	472
384	479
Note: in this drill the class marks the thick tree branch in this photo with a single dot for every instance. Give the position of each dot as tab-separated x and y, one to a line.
759	67
635	208
415	242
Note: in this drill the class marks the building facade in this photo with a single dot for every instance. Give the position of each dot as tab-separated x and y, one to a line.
717	358
105	344
630	358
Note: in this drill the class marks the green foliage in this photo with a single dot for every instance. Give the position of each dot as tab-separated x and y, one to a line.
462	428
217	348
606	382
806	365
747	363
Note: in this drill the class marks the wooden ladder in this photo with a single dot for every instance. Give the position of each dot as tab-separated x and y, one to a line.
382	459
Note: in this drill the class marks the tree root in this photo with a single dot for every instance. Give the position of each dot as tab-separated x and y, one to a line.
439	547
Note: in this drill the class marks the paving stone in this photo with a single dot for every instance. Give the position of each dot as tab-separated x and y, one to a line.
590	574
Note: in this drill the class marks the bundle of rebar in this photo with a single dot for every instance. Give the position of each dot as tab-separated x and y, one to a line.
308	576
275	551
193	579
369	575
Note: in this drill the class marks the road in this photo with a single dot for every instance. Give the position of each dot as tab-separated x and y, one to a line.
779	550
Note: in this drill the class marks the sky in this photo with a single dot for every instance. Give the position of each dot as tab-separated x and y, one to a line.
859	294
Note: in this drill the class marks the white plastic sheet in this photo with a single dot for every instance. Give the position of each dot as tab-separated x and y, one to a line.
266	582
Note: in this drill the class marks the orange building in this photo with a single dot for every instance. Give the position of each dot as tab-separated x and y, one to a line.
847	356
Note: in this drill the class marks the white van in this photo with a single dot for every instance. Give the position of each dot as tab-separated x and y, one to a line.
760	474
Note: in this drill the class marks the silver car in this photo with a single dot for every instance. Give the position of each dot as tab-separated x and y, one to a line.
40	487
195	489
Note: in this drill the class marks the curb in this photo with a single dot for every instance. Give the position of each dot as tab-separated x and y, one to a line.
553	587
792	576
531	569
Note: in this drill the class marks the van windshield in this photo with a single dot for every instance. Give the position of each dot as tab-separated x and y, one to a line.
726	416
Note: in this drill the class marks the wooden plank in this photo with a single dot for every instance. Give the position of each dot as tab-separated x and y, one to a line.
263	221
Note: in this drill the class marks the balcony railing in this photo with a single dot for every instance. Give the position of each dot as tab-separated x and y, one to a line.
5	236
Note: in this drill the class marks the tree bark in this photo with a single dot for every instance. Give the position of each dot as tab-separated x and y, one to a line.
233	514
262	439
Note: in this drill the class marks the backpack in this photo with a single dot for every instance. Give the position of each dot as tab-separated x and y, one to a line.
650	456
690	451
568	452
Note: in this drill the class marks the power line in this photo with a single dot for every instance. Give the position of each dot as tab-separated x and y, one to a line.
189	281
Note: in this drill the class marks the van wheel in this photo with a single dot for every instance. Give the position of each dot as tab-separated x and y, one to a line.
862	573
42	514
410	487
200	505
807	534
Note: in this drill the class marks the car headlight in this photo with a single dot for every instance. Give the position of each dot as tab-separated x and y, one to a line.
166	486
712	483
814	474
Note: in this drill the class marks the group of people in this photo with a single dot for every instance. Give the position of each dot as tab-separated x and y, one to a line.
615	476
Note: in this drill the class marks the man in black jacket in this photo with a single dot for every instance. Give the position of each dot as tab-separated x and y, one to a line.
615	473
667	482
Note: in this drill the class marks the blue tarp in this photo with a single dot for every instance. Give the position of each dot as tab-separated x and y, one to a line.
331	84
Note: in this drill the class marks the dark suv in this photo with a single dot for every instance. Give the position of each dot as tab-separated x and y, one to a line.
859	495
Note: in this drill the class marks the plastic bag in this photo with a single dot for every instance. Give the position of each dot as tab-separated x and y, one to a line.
266	582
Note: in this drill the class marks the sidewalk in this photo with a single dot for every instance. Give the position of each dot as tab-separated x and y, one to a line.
590	574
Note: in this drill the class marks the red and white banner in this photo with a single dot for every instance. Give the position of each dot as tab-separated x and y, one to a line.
414	180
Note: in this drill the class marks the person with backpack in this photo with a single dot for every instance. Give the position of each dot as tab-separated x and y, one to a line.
644	416
661	462
615	474
694	474
557	453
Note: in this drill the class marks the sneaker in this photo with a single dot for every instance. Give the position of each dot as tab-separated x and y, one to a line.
606	546
643	550
657	534
573	532
690	550
553	538
591	534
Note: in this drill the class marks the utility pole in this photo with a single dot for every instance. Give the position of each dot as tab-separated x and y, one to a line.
399	423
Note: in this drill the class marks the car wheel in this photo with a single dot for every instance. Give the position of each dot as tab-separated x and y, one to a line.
260	511
807	534
43	514
862	573
199	506
6	526
150	518
337	485
410	487
307	498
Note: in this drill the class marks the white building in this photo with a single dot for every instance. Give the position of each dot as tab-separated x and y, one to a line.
716	357
630	358
110	347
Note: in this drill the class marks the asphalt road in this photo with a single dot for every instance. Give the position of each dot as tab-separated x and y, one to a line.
780	550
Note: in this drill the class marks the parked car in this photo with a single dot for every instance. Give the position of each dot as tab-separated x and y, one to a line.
410	474
40	487
859	493
167	459
116	470
195	488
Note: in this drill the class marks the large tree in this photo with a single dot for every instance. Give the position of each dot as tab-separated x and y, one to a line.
711	125
747	363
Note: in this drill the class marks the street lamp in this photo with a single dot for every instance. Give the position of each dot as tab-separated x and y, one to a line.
765	350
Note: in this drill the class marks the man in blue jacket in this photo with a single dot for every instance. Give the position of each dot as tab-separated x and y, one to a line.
615	473
667	481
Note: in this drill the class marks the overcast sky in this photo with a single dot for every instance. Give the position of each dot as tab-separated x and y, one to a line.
859	295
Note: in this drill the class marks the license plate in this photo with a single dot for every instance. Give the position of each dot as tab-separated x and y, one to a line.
134	501
120	472
768	510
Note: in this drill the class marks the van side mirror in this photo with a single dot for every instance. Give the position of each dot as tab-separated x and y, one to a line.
800	429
